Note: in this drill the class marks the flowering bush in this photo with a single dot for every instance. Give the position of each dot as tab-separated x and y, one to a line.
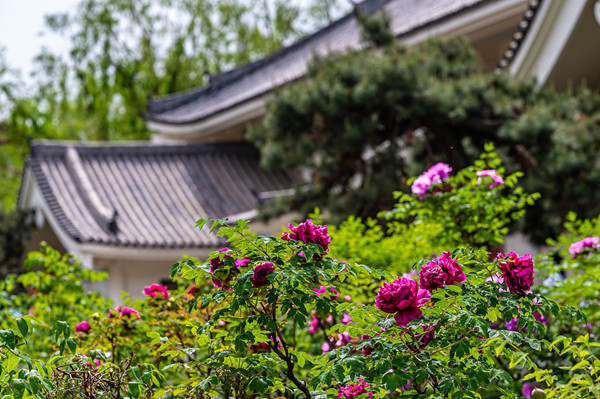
286	317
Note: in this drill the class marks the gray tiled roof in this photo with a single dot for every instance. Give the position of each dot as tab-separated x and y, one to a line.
249	81
145	195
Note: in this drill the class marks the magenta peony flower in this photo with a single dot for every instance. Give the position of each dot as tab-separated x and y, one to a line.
309	233
404	298
352	390
221	272
326	292
261	272
527	389
156	290
588	242
432	276
443	272
83	327
497	180
517	272
436	174
129	313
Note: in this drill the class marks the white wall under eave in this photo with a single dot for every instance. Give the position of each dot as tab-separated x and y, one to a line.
131	276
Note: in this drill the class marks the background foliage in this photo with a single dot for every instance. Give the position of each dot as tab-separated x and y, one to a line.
364	121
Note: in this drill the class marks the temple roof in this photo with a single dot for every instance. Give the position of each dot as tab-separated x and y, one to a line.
244	83
148	196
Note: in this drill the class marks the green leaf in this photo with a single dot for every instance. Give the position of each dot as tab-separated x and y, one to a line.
8	337
23	326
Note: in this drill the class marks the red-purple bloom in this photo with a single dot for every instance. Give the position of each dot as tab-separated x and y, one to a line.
436	174
222	273
588	242
129	313
367	350
427	335
404	298
309	233
517	272
156	290
491	173
83	327
445	271
352	390
193	289
261	273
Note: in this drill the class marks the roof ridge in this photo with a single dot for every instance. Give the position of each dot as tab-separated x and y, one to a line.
221	79
104	215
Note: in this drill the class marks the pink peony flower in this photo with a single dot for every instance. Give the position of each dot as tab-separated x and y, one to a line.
439	172
326	292
443	272
156	290
421	185
83	327
497	180
517	272
314	325
261	273
221	272
497	278
129	313
436	174
346	319
309	233
404	298
588	242
353	390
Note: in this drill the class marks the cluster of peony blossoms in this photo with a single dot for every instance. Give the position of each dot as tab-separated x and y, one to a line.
444	271
223	273
404	298
589	242
438	173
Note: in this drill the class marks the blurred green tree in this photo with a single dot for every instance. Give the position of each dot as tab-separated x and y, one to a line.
362	122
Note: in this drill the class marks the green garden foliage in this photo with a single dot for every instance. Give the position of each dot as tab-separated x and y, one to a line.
286	317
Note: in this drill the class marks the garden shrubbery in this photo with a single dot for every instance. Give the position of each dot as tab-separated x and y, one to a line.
422	302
